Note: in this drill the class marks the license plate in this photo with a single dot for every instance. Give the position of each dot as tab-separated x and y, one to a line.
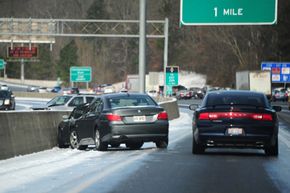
235	131
139	118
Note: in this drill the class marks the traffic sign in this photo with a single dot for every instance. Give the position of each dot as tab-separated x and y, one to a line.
280	71
2	64
172	75
80	74
228	12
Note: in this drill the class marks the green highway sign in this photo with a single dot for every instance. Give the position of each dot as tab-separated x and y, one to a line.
80	74
2	63
228	12
172	75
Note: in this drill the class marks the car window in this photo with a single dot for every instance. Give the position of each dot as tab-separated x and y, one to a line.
228	99
89	99
117	102
76	101
96	106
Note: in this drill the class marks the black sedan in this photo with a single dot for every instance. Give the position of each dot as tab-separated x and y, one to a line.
7	100
113	119
242	119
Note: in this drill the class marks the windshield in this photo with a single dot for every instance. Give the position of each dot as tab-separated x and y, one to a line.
125	101
59	100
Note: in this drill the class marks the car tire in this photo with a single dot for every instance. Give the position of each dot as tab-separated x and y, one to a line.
162	143
100	146
74	143
60	140
134	145
196	148
273	150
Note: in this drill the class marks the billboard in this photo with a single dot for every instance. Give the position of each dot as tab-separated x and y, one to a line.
280	71
22	52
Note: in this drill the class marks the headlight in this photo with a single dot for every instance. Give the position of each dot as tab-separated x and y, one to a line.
7	102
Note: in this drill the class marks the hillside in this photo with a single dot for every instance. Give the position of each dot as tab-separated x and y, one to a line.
216	52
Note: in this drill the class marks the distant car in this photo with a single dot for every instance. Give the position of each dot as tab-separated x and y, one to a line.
32	88
152	93
70	90
56	89
184	94
113	119
241	119
197	93
280	95
4	87
65	102
7	100
42	90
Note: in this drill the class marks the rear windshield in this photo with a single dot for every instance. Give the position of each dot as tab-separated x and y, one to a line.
125	101
236	99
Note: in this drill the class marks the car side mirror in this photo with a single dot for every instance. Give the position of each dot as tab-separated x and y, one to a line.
277	108
193	107
65	117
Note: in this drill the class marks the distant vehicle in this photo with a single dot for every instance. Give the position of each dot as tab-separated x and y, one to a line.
242	119
65	102
113	119
183	94
152	93
70	90
56	89
7	100
32	88
280	95
259	81
177	88
42	90
4	87
197	93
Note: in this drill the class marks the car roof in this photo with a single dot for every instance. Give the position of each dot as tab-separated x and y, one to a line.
235	92
122	94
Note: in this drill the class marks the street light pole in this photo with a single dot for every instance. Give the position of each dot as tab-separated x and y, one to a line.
142	47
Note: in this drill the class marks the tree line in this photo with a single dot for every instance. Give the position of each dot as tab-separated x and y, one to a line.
216	51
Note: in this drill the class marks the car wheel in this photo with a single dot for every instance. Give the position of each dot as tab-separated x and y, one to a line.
60	140
196	148
74	144
100	146
162	143
273	150
134	145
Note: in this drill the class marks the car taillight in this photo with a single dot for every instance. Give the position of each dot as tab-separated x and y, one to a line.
162	116
264	117
235	115
113	117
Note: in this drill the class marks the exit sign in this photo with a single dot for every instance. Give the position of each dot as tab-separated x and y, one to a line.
228	12
80	74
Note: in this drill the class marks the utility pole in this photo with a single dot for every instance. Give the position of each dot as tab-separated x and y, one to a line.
142	47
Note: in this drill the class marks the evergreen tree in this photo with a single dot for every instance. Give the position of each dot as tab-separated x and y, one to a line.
68	58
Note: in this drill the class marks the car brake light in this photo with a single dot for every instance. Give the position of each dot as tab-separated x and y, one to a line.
235	115
162	116
114	117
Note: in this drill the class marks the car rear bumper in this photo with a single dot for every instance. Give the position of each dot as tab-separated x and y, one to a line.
140	132
256	140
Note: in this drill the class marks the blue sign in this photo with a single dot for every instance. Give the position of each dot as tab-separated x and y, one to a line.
280	71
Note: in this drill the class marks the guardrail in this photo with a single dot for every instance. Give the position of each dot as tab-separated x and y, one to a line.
25	132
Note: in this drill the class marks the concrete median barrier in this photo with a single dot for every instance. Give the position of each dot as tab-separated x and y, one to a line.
33	131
